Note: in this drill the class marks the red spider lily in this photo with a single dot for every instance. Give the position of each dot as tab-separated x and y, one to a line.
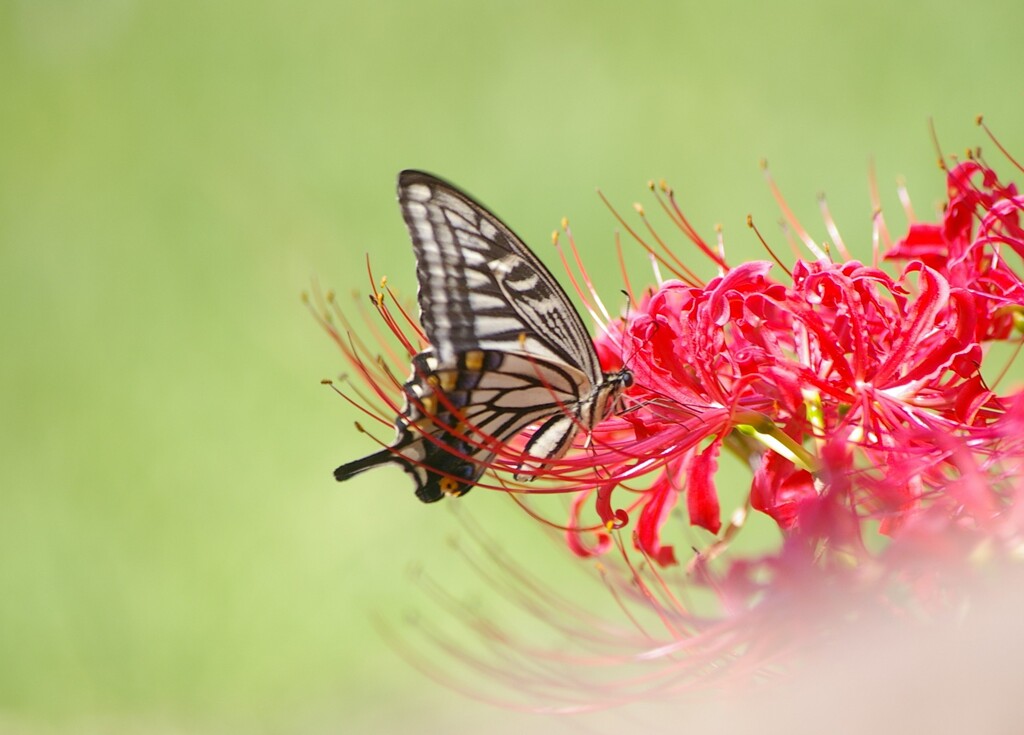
837	353
857	397
846	358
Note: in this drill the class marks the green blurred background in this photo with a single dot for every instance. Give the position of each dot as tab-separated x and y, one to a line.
174	554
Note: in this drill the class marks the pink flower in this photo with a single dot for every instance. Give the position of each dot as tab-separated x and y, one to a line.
860	398
842	373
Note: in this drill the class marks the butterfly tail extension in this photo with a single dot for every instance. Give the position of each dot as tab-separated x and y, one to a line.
428	487
437	472
358	466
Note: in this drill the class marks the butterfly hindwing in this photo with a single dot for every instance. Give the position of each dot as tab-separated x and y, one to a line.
454	420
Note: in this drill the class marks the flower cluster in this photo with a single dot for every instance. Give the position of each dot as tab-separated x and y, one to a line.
883	444
841	386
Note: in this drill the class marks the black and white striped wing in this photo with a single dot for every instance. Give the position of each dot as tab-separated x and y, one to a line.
480	286
456	419
508	349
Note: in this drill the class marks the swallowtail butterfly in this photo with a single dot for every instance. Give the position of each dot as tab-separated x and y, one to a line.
507	350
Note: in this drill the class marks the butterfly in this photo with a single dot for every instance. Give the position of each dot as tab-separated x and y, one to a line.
507	350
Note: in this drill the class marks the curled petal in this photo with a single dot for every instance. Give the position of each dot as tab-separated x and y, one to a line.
574	533
779	489
609	517
701	495
662	498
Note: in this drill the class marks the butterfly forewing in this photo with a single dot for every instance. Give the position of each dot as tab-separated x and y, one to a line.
507	350
480	287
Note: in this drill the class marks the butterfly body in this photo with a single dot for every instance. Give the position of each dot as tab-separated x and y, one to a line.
507	350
